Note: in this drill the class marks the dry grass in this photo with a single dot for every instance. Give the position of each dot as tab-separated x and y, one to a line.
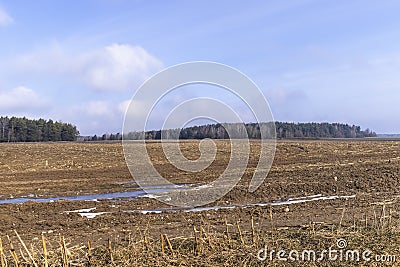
236	244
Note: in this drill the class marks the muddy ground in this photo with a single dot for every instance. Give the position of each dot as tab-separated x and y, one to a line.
366	171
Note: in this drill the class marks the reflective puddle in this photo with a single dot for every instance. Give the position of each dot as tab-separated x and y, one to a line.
95	197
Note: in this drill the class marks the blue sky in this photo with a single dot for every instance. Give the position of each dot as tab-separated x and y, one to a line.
81	61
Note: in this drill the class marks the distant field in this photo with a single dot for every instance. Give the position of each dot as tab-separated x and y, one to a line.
328	189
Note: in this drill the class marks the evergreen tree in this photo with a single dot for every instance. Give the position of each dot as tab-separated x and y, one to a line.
25	130
283	130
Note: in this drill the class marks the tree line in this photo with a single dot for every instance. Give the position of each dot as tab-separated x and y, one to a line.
283	130
321	130
26	130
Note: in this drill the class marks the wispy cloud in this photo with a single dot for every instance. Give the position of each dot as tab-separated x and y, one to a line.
21	100
116	67
361	91
95	116
5	19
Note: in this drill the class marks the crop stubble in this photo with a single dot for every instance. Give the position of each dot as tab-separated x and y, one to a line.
367	169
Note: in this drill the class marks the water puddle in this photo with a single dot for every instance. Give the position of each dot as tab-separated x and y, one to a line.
91	197
95	197
151	193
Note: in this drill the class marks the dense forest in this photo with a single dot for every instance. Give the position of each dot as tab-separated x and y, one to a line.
25	130
218	131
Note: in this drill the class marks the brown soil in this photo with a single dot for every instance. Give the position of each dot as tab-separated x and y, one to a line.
368	169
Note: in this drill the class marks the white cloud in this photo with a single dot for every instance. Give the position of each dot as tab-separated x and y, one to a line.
5	19
96	117
116	67
98	108
139	111
123	106
281	96
105	108
45	60
20	99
